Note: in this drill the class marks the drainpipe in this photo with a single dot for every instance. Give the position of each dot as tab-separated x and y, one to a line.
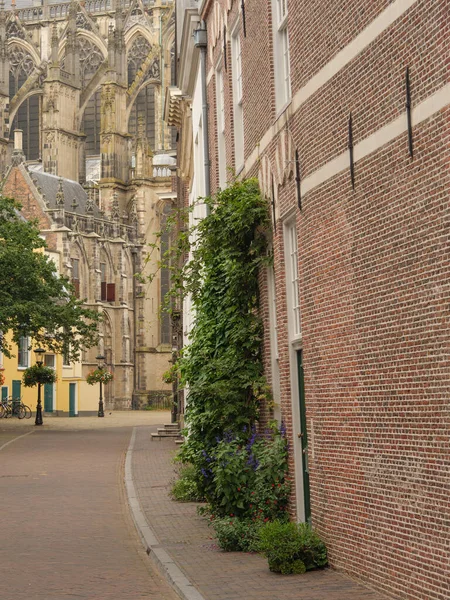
134	396
200	42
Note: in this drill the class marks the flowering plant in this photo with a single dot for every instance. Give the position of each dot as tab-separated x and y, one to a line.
2	377
99	376
38	374
245	475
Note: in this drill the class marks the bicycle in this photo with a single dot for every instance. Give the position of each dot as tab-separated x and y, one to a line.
14	407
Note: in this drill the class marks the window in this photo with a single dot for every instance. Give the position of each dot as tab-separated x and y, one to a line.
65	355
220	104
49	361
76	276
281	53
237	100
23	353
108	290
292	280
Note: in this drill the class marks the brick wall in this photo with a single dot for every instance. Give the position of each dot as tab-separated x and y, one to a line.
15	186
373	271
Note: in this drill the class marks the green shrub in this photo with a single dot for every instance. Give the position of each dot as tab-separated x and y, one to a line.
185	488
236	535
245	476
291	547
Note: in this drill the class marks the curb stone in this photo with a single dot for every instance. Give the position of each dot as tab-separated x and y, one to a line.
165	563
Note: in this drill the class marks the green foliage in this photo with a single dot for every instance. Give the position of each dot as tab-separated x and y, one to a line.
38	374
246	476
236	535
222	364
291	547
99	375
34	300
238	472
185	488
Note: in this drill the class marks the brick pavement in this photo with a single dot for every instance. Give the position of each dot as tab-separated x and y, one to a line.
66	530
189	541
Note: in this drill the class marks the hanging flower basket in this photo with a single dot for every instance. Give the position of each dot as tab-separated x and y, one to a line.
99	375
38	374
2	377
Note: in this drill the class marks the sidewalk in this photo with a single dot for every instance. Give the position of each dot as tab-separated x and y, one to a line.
176	530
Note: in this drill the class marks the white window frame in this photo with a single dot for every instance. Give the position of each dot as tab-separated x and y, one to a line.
221	148
292	281
238	113
282	70
23	352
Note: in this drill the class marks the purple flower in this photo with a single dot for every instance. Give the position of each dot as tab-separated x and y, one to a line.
283	429
251	441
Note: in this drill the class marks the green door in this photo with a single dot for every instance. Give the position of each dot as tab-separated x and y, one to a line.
4	393
16	389
48	397
303	436
16	392
72	392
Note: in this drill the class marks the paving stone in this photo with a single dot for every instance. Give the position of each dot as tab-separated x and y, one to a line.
190	542
66	530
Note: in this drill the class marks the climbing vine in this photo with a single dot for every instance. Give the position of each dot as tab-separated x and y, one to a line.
222	364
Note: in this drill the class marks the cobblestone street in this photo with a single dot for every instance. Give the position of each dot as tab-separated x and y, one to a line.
67	520
66	527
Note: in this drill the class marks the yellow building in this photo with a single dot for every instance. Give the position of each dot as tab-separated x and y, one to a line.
69	396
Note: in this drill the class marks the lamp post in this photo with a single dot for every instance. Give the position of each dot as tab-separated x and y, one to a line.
100	413
39	355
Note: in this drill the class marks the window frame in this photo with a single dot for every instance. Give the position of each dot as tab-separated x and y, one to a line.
22	352
237	82
282	65
220	112
292	281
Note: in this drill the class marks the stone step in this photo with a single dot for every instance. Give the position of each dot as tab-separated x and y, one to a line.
171	426
168	432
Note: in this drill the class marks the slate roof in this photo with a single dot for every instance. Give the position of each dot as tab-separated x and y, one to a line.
49	186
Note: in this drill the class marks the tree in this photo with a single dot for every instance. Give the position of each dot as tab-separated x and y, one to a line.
36	301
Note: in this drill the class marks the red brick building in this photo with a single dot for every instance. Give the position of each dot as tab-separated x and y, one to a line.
342	111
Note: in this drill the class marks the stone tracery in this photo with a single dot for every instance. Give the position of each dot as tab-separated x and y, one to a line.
21	65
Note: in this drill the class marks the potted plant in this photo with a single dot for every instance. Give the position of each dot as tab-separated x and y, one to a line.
99	376
38	374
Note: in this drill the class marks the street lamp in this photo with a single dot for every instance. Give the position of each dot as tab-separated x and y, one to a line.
39	355
100	413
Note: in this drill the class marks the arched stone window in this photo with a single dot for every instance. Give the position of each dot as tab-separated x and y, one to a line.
21	66
144	105
138	52
91	57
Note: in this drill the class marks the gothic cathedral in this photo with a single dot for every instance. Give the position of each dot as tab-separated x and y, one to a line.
84	148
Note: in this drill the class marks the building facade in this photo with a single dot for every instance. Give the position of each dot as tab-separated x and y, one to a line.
342	112
82	87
